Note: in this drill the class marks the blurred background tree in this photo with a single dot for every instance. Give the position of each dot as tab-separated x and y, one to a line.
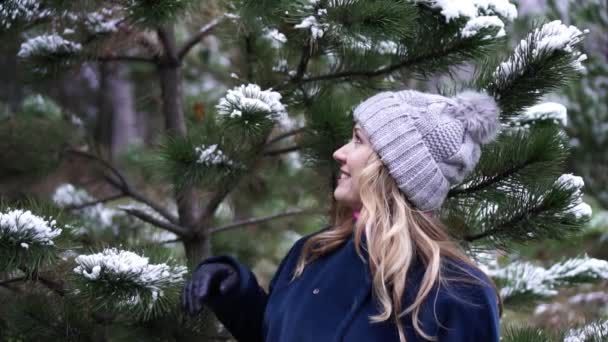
176	130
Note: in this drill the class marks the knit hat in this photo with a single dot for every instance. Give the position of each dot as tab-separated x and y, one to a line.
428	142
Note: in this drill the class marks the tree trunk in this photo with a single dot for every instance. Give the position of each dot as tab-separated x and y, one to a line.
196	244
117	121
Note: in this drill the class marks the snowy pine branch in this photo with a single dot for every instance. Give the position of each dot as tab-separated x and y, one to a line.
23	228
479	15
13	12
48	45
597	331
248	100
546	111
524	280
27	241
127	282
545	60
67	196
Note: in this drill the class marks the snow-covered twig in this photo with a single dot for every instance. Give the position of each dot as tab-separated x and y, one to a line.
23	228
250	98
47	44
113	266
524	278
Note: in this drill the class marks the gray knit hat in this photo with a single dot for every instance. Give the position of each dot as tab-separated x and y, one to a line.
428	142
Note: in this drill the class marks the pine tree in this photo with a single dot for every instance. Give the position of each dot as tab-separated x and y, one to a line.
308	61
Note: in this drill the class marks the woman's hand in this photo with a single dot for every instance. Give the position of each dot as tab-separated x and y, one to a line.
211	284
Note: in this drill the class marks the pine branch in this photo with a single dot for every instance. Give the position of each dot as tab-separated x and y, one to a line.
173	228
50	284
125	187
4	283
249	221
285	135
487	182
92	203
196	38
282	151
346	75
303	64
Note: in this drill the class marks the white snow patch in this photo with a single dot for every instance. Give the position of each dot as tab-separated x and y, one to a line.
547	111
101	21
276	38
211	155
586	333
475	25
524	277
24	228
548	38
119	265
250	98
47	44
451	9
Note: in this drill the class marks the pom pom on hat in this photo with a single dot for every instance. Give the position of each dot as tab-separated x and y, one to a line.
478	112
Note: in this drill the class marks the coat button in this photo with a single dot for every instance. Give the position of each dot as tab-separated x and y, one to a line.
315	291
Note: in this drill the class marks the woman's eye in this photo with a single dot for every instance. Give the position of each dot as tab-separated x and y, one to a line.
356	140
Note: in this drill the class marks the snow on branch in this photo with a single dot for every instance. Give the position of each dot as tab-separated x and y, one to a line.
48	44
525	278
591	332
314	21
21	10
211	155
113	267
545	111
549	38
481	14
68	196
578	208
247	99
22	228
276	38
102	21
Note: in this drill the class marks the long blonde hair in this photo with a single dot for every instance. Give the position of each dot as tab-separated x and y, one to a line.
396	234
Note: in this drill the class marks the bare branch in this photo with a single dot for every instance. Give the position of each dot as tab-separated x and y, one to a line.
169	241
285	135
246	222
192	41
303	64
112	58
91	203
56	287
282	150
125	187
346	75
140	214
12	280
214	202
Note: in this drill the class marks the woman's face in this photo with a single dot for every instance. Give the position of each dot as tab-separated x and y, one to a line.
352	158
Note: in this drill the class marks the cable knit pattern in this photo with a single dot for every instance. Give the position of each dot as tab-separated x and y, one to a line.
428	142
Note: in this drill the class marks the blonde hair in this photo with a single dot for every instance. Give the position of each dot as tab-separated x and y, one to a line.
396	234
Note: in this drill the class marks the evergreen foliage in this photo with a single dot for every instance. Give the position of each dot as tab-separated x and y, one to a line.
302	67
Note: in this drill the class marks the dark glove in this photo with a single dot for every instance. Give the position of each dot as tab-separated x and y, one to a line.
211	284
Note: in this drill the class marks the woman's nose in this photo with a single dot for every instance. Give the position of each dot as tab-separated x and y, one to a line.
339	155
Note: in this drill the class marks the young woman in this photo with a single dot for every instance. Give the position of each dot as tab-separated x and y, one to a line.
387	270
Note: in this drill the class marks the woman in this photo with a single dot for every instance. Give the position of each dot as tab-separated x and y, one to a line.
387	270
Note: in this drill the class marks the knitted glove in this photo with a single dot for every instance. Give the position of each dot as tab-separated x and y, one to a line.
211	284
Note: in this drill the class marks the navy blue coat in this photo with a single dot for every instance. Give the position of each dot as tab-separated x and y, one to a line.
331	301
